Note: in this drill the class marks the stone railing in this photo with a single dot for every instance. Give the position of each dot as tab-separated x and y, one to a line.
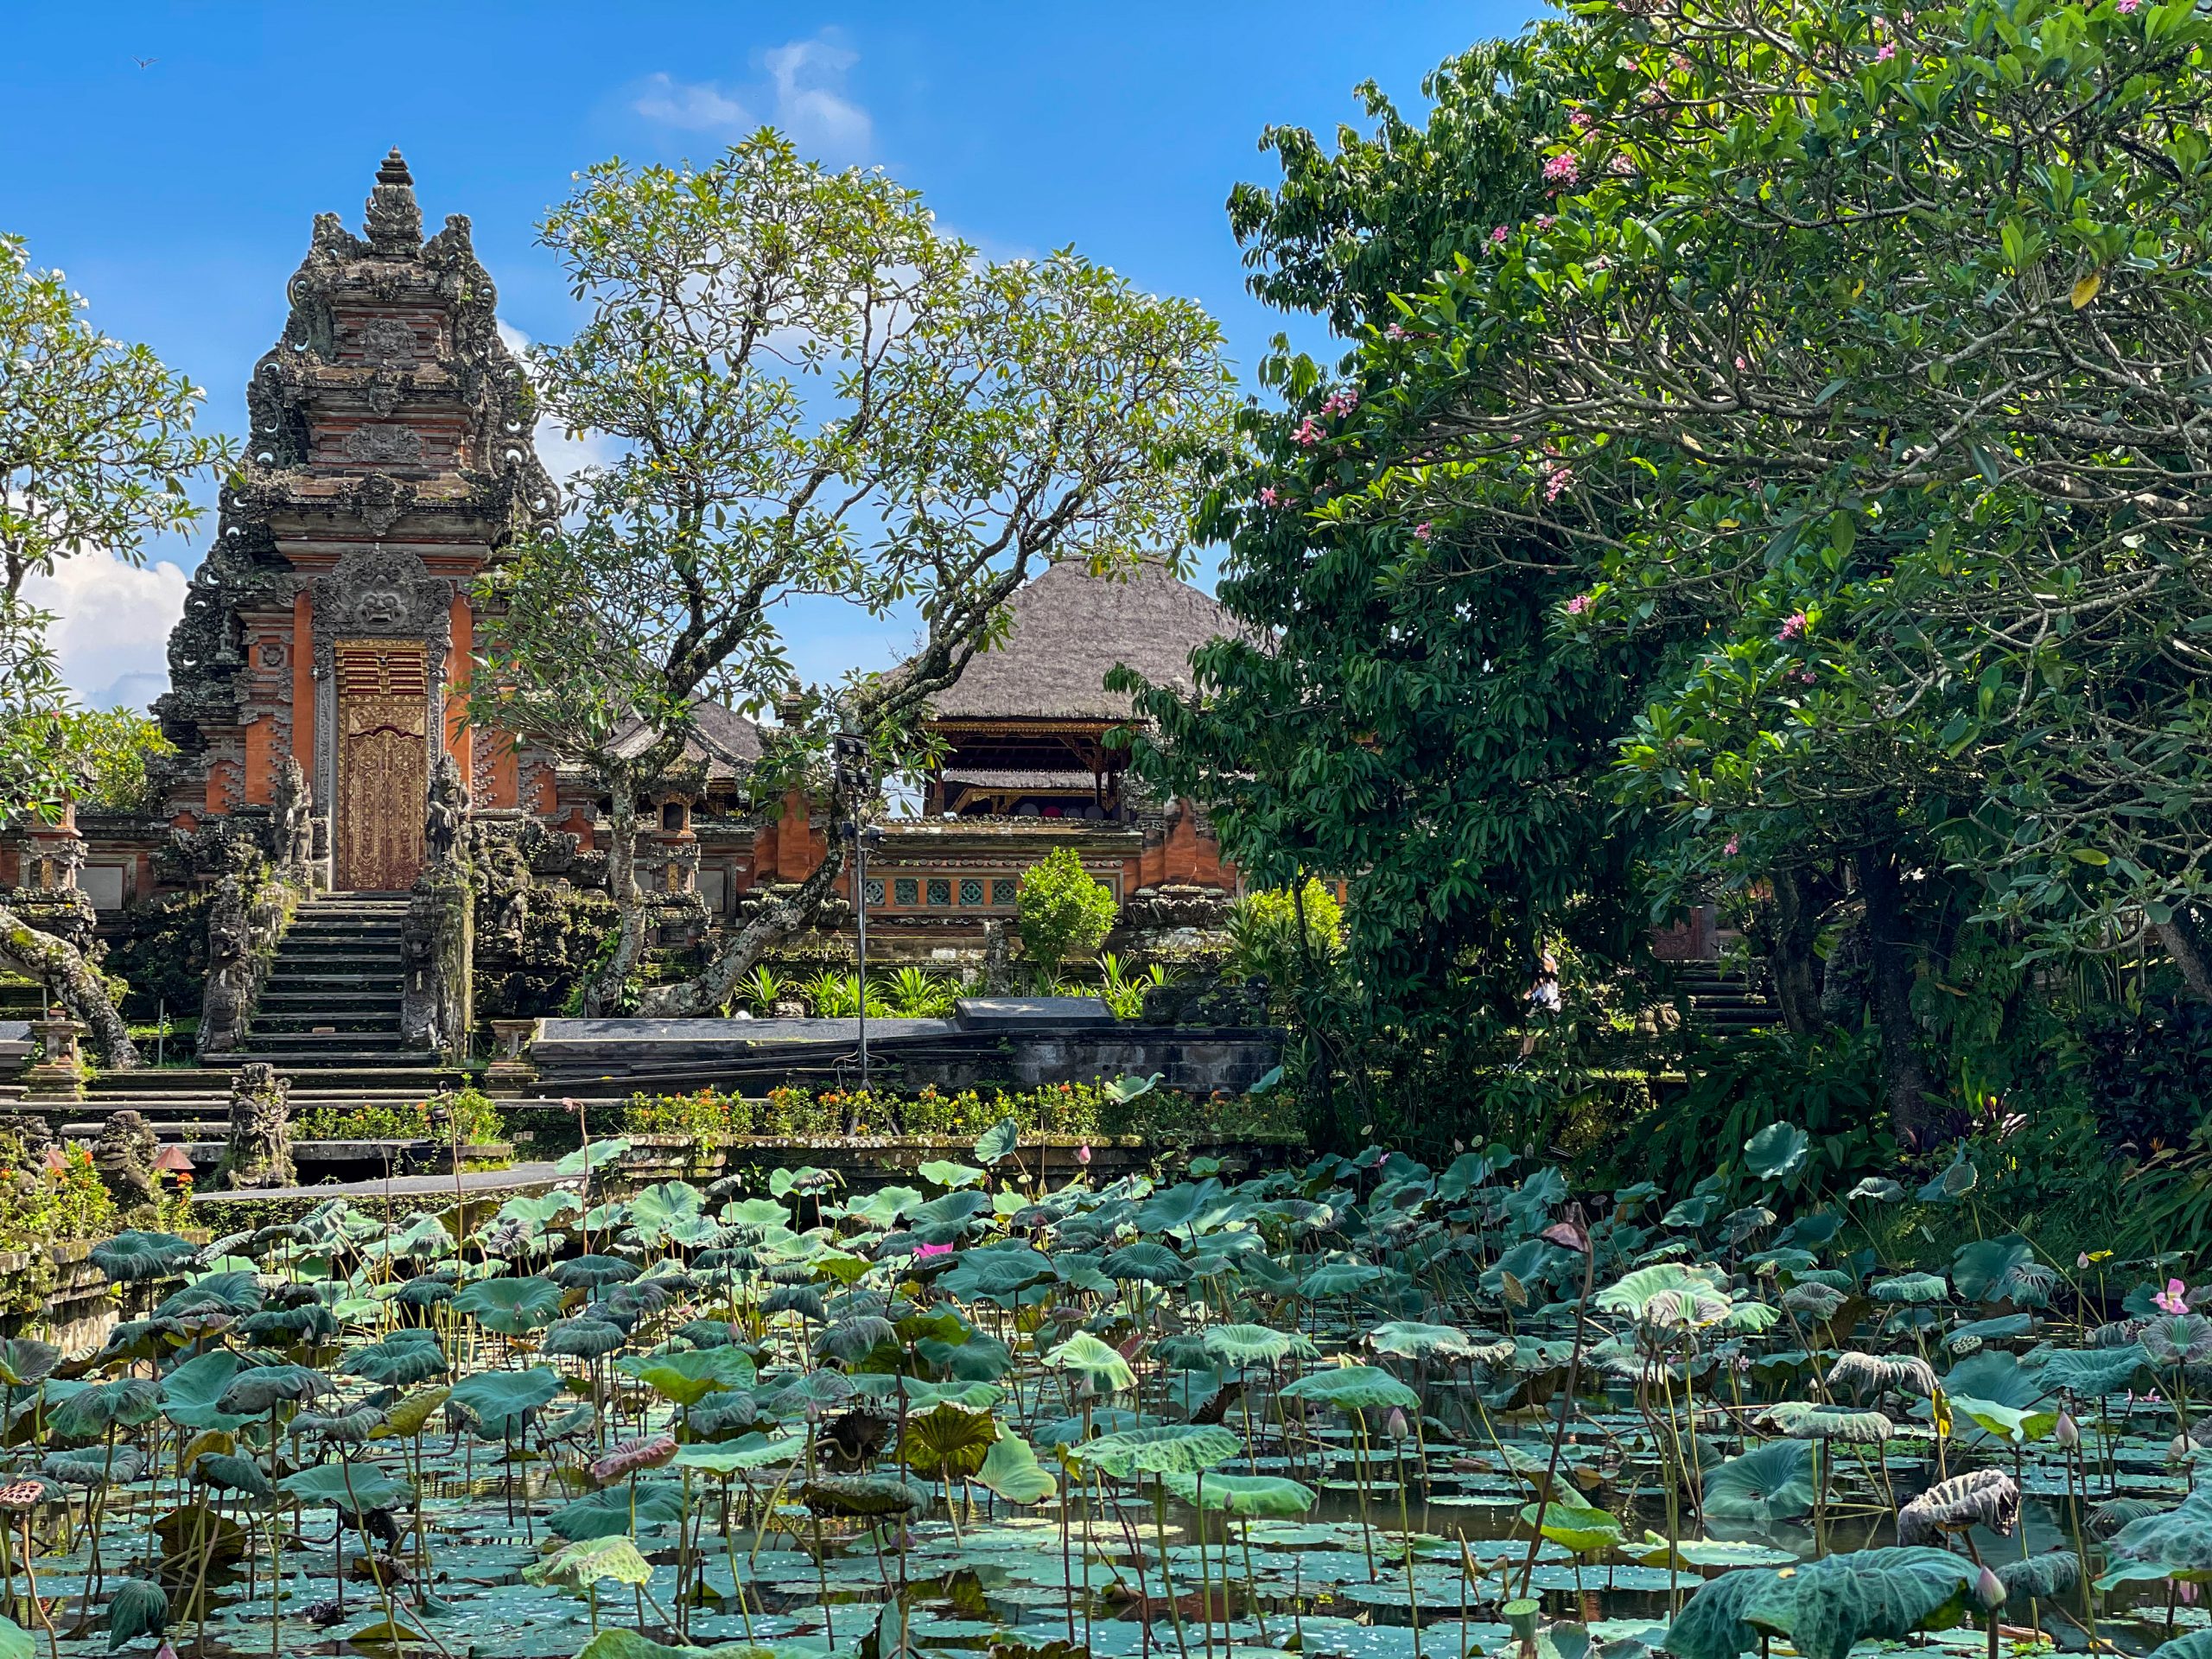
246	919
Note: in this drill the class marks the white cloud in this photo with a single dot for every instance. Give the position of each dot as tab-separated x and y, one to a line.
805	97
695	106
112	627
810	101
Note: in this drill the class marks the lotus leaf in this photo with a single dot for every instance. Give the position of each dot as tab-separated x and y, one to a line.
947	1441
408	1417
1777	1151
1769	1483
590	1272
227	1472
1910	1288
357	1487
590	1561
998	1142
2178	1339
513	1307
497	1402
583	1337
130	1256
612	1513
1261	1497
1146	1262
24	1362
1181	1450
92	1411
1011	1470
1980	1498
2054	1573
593	1155
866	1497
252	1392
1354	1388
749	1452
2090	1373
395	1362
2176	1541
136	1607
1099	1363
1877	1595
1410	1339
690	1377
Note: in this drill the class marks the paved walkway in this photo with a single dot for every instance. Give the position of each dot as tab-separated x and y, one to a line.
520	1178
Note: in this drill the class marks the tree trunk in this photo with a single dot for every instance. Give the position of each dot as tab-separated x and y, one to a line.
56	965
1798	904
2182	943
775	921
603	991
1917	1113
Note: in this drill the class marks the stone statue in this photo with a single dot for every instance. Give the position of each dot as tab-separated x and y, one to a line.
259	1152
998	963
449	809
124	1154
227	992
294	819
31	1130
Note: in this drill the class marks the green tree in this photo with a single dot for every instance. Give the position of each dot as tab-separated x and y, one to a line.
1852	372
1061	910
1399	708
108	749
96	443
814	391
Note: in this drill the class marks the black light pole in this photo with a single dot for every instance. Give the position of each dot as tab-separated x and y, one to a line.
853	776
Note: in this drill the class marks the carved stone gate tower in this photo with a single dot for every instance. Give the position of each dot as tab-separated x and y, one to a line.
390	459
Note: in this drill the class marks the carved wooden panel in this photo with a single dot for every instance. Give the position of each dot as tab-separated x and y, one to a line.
383	763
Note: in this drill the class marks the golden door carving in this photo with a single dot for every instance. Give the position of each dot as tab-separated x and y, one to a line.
383	763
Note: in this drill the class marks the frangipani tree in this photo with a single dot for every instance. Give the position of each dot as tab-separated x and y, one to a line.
816	392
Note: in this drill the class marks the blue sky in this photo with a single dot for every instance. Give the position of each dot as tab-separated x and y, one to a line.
177	195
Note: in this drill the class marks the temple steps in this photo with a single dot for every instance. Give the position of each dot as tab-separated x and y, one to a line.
1722	1004
333	998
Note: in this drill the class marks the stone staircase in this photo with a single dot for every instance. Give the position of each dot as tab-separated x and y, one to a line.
331	999
1722	1004
328	1019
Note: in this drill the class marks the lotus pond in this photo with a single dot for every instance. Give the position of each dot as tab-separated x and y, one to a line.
1367	1408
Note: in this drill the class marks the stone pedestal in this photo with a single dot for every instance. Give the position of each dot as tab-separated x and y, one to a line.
59	1071
511	1070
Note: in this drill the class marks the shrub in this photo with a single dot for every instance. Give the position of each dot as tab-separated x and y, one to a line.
474	1119
1263	933
1061	911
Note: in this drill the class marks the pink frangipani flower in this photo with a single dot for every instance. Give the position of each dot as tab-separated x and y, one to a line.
1422	531
1563	169
1308	433
1578	603
1268	497
1793	627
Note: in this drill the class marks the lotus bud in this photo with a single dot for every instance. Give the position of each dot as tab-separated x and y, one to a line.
2066	1432
2185	1592
165	1651
1989	1590
1394	1424
1082	1153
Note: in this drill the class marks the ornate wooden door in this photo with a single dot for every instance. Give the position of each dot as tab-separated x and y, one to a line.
383	763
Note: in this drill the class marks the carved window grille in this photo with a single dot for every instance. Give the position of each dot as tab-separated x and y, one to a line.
907	890
940	890
873	889
1004	891
971	893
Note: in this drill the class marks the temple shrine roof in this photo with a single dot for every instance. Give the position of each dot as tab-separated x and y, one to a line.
1069	628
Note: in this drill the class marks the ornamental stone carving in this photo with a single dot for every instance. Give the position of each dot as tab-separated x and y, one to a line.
383	591
384	445
387	340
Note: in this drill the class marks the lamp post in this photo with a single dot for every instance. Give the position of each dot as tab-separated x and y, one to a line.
857	779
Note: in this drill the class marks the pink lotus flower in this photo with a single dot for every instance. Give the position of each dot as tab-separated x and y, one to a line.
1421	530
923	1252
2174	1299
1563	169
2081	1262
1794	627
1578	603
1267	495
